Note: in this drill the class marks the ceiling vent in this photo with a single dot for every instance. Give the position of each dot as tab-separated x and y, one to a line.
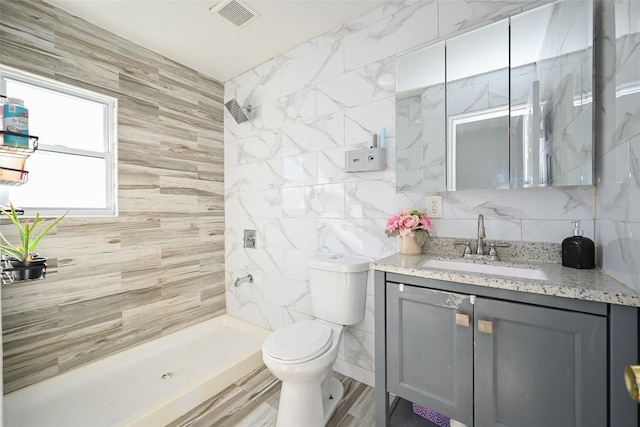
237	13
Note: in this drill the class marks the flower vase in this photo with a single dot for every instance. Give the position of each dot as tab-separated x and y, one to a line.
409	246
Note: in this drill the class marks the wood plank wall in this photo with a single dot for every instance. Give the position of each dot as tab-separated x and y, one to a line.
158	267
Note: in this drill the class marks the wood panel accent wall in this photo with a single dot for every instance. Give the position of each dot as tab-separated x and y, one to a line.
158	267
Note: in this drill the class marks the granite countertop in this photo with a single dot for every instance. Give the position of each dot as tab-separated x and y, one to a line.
565	282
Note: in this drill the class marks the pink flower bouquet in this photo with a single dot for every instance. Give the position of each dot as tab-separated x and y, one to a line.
408	223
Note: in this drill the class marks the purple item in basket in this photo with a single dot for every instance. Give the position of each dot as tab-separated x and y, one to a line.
430	415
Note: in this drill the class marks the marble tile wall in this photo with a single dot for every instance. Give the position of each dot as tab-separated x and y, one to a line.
618	141
284	173
113	283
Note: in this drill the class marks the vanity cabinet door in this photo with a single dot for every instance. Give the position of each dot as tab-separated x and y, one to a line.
430	349
537	366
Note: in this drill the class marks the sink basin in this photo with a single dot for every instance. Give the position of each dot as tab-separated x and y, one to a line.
499	270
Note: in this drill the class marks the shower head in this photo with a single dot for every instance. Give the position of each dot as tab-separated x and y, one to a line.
239	114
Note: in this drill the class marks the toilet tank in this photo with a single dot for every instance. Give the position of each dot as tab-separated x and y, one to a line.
338	285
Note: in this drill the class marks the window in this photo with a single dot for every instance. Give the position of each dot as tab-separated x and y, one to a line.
74	167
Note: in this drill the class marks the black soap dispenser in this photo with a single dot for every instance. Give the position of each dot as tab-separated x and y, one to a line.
578	251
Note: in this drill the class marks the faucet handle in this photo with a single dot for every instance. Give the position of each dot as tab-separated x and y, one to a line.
493	252
467	248
492	249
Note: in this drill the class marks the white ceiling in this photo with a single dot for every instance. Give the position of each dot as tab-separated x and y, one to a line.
186	31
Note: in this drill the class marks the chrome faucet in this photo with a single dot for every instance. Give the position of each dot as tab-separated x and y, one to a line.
481	235
239	280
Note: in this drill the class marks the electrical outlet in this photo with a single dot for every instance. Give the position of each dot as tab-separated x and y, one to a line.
434	206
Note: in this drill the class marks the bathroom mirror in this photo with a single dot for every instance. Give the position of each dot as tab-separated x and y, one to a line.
477	92
551	95
513	111
420	121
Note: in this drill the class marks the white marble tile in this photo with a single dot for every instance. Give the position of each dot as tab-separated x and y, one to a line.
271	116
359	348
291	233
287	293
230	156
362	237
234	230
357	373
300	170
467	229
634	172
296	264
554	231
560	202
363	199
324	133
618	250
267	86
299	106
401	31
254	290
257	148
318	201
360	86
260	203
273	173
389	7
323	64
613	184
363	121
243	177
265	260
257	312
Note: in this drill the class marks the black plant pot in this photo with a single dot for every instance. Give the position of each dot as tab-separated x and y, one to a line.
27	270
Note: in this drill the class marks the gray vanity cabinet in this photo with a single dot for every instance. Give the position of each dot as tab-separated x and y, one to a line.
491	362
430	349
538	366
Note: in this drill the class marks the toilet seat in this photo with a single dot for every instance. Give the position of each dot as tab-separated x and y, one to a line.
297	343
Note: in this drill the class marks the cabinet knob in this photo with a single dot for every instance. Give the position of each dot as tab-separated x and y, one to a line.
632	381
485	326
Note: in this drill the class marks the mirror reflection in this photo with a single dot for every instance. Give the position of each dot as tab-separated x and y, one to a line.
551	92
477	69
420	118
513	111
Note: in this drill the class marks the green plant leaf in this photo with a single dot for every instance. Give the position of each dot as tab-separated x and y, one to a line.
16	253
35	241
23	251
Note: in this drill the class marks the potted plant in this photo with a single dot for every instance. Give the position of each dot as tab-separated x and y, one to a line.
23	261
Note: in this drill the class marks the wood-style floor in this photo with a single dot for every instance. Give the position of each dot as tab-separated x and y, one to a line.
253	402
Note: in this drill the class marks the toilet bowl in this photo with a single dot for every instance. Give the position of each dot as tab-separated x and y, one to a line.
302	355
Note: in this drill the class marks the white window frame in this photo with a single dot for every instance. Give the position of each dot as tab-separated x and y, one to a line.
109	155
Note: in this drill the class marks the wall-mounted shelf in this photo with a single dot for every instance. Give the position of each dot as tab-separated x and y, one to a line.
13	158
12	274
20	151
13	177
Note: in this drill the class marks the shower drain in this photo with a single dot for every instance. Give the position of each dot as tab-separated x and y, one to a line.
167	376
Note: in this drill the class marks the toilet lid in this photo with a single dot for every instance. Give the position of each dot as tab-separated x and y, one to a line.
301	341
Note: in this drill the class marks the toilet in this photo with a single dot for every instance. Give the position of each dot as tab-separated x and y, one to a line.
302	355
